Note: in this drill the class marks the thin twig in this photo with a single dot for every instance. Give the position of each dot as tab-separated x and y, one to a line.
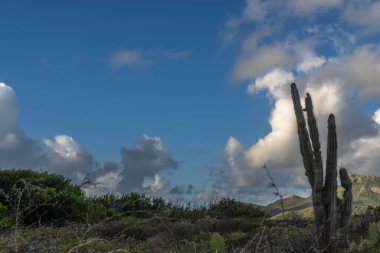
277	190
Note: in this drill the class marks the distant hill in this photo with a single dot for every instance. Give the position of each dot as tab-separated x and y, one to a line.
365	192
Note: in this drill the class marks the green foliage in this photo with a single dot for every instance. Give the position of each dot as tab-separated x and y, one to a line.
236	239
41	197
185	211
373	232
217	243
5	220
372	244
135	202
229	208
129	202
158	203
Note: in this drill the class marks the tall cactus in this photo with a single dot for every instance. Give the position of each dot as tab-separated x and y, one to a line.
330	212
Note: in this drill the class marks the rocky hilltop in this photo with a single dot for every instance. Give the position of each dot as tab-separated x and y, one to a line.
365	192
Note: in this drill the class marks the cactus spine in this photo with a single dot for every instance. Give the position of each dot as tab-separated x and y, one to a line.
330	212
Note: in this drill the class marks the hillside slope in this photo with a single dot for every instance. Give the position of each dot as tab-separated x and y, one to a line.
365	192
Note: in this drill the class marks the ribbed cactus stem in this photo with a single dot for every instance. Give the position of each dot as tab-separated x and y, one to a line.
319	209
314	135
303	134
329	195
330	212
345	206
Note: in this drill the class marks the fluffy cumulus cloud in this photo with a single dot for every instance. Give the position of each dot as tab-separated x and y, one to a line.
365	152
334	61
139	168
68	157
17	150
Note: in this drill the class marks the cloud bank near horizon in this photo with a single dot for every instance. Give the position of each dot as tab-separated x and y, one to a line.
138	170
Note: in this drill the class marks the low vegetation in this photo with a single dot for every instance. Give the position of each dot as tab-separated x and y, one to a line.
43	212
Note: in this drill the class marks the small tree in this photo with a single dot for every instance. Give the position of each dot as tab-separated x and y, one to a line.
330	212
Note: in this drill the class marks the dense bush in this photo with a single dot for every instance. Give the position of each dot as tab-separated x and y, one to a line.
230	208
131	204
372	244
40	197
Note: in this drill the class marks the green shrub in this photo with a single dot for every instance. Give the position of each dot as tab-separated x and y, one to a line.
124	203
41	197
372	244
231	208
158	203
217	243
236	239
5	220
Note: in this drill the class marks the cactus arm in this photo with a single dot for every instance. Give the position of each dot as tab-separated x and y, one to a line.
314	135
305	145
345	207
317	188
330	196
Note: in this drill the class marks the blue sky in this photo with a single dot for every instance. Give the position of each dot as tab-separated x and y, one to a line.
188	88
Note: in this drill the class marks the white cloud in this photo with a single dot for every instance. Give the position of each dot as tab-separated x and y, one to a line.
9	141
64	146
276	148
362	68
363	12
376	117
286	41
256	10
260	61
130	58
364	157
277	81
144	58
280	147
330	48
155	184
236	158
310	62
66	156
16	149
230	30
302	7
209	194
104	183
9	108
139	168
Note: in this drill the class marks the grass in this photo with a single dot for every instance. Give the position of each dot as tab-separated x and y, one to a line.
133	222
144	235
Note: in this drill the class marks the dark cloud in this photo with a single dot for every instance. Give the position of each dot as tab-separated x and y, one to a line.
148	158
182	189
19	151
